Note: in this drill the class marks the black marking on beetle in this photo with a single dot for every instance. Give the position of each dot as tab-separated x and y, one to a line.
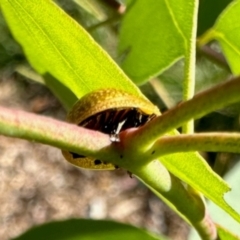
75	155
115	120
121	156
153	152
97	162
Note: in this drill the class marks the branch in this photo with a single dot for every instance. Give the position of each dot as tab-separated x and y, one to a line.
20	124
29	126
209	142
203	103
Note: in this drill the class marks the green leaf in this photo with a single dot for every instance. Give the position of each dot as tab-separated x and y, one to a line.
226	32
233	178
56	45
218	215
156	38
82	229
224	234
192	169
208	12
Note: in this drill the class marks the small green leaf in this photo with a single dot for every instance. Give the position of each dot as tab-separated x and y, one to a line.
156	38
227	32
82	229
56	45
208	12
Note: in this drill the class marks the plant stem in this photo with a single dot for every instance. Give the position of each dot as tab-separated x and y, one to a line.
15	123
92	143
29	126
211	142
185	201
202	103
190	63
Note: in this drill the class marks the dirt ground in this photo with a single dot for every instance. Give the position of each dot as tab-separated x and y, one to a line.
37	185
